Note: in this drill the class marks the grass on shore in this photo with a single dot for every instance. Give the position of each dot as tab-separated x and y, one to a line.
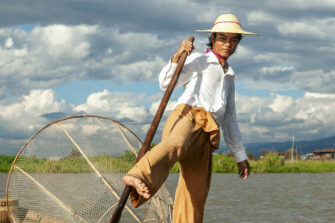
272	163
5	163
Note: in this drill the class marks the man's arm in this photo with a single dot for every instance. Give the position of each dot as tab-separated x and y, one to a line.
233	136
188	69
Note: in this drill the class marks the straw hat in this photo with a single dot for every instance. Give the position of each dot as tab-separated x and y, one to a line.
227	23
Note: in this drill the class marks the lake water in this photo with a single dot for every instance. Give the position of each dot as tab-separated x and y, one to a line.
303	197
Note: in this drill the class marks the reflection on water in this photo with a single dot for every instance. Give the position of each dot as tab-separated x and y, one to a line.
303	197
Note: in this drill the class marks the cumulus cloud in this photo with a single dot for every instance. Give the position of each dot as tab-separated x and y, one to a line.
274	118
318	81
118	105
261	17
281	116
52	55
317	28
20	118
302	4
109	40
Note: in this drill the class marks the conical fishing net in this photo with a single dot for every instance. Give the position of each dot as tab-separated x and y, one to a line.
71	171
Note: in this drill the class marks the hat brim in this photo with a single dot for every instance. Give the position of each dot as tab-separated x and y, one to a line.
238	32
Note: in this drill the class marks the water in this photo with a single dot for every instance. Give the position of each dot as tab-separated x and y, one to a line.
303	197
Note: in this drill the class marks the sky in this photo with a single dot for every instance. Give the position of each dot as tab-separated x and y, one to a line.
68	57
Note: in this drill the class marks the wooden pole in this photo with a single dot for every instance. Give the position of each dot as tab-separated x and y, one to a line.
156	199
147	141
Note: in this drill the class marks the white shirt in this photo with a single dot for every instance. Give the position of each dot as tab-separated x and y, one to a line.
206	85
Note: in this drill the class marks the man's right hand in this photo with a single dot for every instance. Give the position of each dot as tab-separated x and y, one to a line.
184	46
243	169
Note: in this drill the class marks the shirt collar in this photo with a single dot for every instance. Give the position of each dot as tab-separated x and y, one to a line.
211	58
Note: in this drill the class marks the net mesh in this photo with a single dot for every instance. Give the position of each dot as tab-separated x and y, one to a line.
71	171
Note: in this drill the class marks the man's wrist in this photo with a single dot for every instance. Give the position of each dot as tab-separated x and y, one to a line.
175	59
240	156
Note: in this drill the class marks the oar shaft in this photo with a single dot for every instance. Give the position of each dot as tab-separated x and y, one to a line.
163	104
147	141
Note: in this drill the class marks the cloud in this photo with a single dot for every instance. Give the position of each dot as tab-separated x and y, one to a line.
115	104
273	118
261	17
61	42
20	118
169	108
52	55
317	28
318	81
302	4
279	117
125	48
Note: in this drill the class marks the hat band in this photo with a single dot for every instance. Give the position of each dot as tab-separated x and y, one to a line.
227	22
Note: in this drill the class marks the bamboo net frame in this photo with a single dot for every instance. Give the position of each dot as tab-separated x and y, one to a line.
161	210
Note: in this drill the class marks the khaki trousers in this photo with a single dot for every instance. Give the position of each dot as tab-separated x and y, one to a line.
190	135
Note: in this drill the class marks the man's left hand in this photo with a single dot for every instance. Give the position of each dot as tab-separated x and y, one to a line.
243	169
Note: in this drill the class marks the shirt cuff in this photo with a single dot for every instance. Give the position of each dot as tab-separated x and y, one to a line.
172	66
240	156
166	75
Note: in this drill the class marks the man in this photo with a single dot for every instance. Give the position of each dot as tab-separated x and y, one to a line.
191	132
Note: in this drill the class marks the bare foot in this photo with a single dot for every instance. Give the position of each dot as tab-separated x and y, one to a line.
137	183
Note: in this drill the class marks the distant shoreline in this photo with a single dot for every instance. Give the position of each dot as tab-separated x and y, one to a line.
221	164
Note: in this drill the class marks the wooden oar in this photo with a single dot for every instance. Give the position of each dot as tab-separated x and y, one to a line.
147	141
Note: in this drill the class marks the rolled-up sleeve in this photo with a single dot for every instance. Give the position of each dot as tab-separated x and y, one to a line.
190	69
231	131
166	75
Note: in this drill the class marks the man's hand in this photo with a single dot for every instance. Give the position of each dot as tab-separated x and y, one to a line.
243	169
185	45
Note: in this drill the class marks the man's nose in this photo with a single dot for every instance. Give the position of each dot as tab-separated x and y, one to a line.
227	43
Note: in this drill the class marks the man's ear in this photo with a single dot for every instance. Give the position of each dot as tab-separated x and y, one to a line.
212	38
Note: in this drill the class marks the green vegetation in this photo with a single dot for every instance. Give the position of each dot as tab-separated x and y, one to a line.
5	163
71	164
271	163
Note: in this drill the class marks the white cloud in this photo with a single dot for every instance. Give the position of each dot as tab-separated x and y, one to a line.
302	4
52	55
20	119
317	28
141	70
154	107
276	69
115	104
111	42
25	115
260	17
281	104
59	42
274	118
278	117
314	80
9	43
243	52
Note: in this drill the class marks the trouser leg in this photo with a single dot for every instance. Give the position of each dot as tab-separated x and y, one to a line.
153	168
194	182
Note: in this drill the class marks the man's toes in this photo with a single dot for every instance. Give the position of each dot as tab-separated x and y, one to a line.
137	183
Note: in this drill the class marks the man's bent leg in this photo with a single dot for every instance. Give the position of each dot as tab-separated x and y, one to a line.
153	168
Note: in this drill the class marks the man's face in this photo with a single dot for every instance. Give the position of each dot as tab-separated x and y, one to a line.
225	43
